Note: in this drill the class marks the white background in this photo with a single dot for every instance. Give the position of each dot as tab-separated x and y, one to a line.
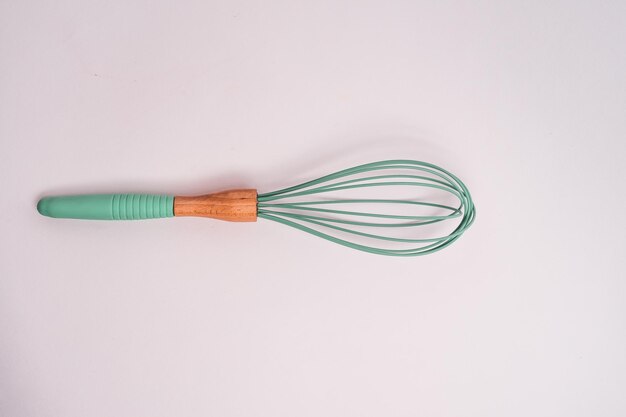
524	315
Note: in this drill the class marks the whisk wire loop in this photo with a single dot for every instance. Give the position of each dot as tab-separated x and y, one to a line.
338	224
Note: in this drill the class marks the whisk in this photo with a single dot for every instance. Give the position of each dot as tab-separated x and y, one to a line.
395	207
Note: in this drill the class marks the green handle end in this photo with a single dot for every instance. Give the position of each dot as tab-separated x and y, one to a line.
108	206
43	206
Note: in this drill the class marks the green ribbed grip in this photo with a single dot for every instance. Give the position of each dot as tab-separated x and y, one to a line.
108	206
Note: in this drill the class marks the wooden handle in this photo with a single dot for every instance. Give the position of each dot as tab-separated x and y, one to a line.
232	205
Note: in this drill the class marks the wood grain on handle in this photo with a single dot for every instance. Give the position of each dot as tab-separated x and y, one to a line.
232	205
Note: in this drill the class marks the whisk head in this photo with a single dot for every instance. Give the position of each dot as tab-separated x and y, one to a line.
395	207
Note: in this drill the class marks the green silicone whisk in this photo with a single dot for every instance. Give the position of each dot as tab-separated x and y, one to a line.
394	207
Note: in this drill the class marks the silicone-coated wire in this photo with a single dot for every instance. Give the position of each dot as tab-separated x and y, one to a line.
319	218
